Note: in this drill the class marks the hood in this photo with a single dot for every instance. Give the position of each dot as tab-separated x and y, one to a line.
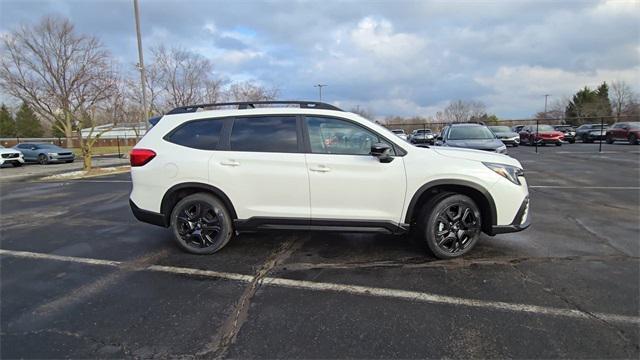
481	144
508	135
8	151
550	133
477	155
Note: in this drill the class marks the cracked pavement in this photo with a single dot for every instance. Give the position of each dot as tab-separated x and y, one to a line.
582	253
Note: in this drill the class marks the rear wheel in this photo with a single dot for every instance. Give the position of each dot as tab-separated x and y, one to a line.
201	224
572	141
559	143
451	225
610	139
532	142
633	139
17	164
42	159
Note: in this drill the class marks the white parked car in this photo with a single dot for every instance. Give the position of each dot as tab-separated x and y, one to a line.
212	173
400	133
10	156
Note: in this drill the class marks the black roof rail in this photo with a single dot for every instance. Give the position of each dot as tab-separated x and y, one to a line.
252	104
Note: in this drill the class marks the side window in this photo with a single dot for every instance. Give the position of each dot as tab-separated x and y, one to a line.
335	136
265	134
198	134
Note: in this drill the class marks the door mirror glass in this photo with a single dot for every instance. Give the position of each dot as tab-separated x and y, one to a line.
382	151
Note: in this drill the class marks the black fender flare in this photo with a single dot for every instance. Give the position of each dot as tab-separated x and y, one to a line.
456	182
205	187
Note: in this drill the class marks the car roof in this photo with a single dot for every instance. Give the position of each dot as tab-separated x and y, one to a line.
465	124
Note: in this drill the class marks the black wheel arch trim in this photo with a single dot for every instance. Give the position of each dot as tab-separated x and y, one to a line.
455	182
166	211
148	216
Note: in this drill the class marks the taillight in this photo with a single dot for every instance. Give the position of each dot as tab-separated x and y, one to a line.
139	157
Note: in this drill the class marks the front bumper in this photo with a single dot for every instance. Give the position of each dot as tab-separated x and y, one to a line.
520	222
61	158
512	141
12	161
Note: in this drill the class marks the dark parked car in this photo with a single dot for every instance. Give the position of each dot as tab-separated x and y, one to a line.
505	135
590	132
541	134
45	153
568	131
517	128
471	136
624	131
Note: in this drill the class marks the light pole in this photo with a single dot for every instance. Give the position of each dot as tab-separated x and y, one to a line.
320	86
143	77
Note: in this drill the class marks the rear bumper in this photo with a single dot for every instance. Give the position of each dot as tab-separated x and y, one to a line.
148	216
520	222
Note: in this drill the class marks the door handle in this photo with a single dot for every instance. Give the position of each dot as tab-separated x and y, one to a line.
229	163
321	169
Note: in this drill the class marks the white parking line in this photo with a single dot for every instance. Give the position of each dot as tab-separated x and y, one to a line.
586	187
350	289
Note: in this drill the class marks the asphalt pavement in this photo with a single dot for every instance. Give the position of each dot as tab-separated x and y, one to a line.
81	278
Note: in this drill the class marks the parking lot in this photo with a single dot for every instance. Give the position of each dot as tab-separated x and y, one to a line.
80	277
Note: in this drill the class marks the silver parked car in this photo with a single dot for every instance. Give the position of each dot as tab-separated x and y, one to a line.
45	153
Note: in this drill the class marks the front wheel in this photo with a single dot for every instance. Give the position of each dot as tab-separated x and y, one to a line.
559	143
451	225
610	139
201	224
633	140
17	164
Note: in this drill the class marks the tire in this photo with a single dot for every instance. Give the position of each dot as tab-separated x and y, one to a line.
633	140
42	159
188	223
450	224
558	143
532	142
572	141
610	139
17	164
69	161
515	144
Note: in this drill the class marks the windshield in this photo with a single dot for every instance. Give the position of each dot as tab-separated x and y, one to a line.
423	131
544	128
500	128
634	125
47	146
470	133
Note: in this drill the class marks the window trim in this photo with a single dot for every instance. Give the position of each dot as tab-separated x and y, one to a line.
221	140
399	151
300	145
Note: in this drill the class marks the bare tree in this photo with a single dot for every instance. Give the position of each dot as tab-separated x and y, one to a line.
250	91
622	99
365	113
462	111
184	75
64	76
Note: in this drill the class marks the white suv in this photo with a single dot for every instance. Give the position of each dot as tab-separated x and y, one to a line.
209	174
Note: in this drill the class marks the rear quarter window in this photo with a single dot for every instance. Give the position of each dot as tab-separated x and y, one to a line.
197	134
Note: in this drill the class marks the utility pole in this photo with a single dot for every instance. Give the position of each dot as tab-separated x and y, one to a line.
546	97
320	86
143	77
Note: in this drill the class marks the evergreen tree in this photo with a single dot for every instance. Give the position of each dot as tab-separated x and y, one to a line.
27	124
55	129
604	108
587	103
7	124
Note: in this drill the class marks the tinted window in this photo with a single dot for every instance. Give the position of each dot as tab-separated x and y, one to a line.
199	134
334	136
265	134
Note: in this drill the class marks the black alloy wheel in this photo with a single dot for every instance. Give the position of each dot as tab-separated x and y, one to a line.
610	139
201	224
453	226
633	140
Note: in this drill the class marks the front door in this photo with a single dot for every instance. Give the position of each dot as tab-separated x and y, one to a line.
346	183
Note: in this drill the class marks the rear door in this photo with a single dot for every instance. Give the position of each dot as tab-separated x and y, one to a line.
262	168
346	182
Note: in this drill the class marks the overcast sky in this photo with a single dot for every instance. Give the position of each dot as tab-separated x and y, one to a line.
392	57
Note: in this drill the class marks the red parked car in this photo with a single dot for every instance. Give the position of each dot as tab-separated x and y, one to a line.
625	131
546	134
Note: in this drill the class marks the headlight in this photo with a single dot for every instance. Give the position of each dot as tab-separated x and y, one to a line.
509	172
502	149
52	154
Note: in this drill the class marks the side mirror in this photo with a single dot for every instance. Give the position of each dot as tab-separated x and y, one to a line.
382	152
